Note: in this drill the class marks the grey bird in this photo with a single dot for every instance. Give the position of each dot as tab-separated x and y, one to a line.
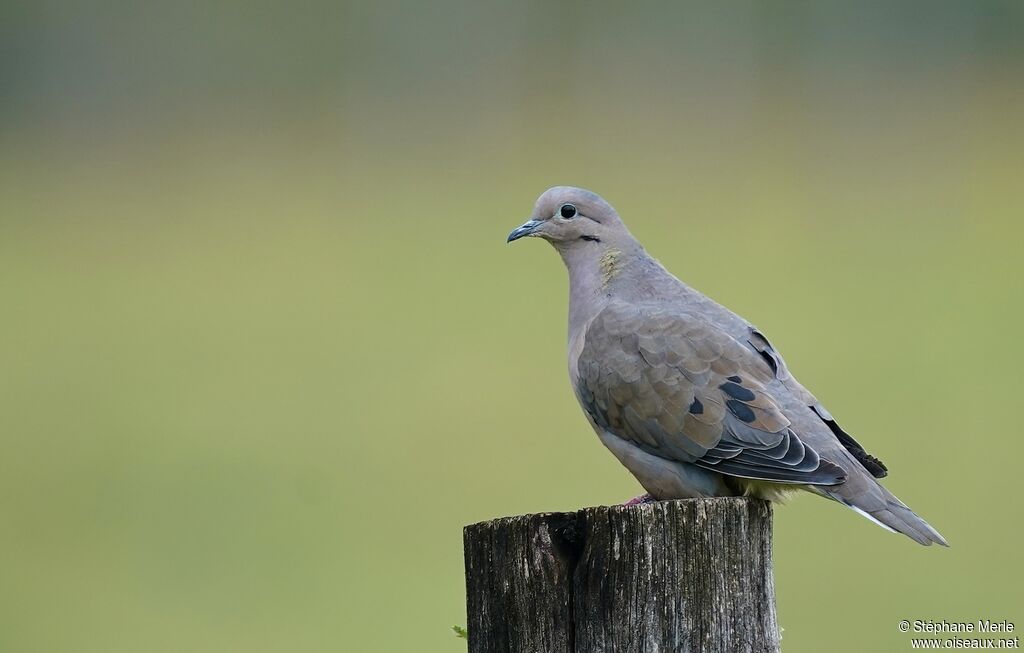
691	398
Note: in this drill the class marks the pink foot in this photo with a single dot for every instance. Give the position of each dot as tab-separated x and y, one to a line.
642	499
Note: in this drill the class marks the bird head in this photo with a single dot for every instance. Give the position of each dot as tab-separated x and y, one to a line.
571	218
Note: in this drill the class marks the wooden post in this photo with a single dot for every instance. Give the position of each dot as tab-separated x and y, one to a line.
691	575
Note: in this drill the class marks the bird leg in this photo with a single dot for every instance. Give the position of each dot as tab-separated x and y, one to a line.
640	500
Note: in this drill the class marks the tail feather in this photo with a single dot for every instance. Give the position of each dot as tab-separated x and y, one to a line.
899	517
890	513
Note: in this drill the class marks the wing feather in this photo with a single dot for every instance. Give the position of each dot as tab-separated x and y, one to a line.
680	388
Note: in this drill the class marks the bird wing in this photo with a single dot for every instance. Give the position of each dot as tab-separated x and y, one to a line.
680	388
771	356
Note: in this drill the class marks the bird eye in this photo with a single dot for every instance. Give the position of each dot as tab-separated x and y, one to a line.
567	211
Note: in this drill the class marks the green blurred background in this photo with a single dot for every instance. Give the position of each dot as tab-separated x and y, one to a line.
264	351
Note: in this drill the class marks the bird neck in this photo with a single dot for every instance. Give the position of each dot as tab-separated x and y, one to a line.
597	275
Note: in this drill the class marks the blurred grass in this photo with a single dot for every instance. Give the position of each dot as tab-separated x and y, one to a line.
260	368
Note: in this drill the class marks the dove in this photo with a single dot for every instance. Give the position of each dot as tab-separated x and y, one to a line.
690	397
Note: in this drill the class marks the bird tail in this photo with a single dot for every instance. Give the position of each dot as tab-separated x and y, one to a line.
891	514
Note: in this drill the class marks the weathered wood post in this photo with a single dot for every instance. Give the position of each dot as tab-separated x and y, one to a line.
692	575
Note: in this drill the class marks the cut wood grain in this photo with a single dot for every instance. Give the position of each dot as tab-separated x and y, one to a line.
688	575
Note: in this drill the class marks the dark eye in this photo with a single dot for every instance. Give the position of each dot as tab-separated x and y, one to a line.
567	211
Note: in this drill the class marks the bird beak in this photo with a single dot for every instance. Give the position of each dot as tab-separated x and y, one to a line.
528	228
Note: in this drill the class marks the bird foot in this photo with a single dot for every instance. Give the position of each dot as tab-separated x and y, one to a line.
640	500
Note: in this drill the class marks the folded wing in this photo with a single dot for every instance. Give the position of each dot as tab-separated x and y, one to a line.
679	388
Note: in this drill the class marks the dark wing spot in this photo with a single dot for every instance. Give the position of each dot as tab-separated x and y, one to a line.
768	358
735	379
696	407
740	410
737	391
761	345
